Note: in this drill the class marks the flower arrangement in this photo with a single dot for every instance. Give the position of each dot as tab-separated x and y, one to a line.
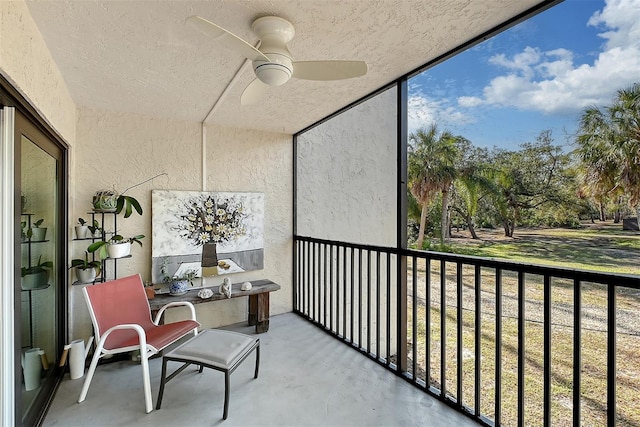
208	220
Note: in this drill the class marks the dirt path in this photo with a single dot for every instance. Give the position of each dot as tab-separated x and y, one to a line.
600	243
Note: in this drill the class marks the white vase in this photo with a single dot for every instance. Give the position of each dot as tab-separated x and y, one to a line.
31	369
82	232
86	275
119	250
38	234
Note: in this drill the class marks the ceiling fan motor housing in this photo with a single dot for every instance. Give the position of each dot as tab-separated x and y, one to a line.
275	33
274	73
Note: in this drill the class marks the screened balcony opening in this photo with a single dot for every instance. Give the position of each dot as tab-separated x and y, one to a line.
548	337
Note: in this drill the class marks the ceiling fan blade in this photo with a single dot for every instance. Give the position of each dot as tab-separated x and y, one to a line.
226	38
254	92
328	70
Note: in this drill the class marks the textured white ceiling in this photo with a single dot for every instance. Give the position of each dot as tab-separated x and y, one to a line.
140	57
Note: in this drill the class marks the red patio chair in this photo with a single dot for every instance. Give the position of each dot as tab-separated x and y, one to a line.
122	322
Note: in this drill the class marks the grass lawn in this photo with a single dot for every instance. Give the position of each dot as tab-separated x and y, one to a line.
603	247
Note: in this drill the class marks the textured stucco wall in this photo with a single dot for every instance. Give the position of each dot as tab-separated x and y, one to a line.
120	150
26	62
346	172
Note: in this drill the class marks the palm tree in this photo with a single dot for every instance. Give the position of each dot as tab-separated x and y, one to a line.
431	167
609	145
474	182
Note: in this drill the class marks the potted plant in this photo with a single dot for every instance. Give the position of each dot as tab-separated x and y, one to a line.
95	230
37	275
86	271
112	201
82	230
37	233
116	247
178	284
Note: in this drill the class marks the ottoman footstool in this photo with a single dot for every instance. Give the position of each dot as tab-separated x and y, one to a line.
212	348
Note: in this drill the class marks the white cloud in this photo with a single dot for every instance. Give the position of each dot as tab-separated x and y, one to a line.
550	82
423	111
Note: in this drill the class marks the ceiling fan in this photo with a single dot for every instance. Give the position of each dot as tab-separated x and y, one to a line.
273	64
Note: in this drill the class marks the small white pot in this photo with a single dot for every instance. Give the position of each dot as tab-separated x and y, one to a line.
119	250
35	281
38	234
86	275
82	231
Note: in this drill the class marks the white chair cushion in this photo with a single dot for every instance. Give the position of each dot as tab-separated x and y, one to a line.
215	347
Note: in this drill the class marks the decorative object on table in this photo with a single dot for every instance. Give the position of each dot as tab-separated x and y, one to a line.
205	293
36	276
82	230
225	287
246	286
86	271
217	232
180	281
113	201
149	290
37	233
116	247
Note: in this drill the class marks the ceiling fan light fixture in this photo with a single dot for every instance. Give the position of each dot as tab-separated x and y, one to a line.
273	74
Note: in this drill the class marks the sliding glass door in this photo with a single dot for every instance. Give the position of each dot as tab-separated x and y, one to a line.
39	290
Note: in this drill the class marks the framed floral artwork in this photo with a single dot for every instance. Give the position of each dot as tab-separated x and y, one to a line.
229	226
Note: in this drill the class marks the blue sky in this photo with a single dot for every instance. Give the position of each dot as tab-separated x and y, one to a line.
535	76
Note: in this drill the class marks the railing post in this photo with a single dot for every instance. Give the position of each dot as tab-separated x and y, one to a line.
401	333
443	328
521	348
498	374
547	352
611	355
577	350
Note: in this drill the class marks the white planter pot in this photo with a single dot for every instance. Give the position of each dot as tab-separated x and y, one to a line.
35	281
119	250
86	275
82	232
38	234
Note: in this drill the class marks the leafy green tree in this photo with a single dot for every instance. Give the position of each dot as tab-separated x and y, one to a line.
609	147
535	176
431	167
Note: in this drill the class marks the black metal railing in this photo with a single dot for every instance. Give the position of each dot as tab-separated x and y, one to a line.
506	343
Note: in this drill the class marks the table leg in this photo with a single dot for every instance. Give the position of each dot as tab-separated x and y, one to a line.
259	312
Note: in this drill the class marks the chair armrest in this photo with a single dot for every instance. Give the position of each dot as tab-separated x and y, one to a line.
142	335
175	304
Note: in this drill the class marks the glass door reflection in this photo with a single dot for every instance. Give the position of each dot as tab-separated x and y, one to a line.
38	284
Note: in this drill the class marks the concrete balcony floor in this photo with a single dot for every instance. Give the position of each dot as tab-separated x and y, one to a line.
307	378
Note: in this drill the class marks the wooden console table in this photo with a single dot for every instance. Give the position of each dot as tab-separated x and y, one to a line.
258	300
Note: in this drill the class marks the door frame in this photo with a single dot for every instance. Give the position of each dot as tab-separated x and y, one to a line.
13	104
